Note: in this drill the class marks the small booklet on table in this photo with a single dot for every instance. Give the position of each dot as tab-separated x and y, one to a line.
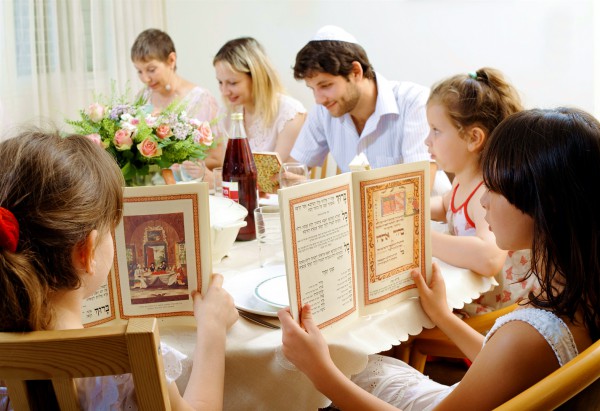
268	165
162	253
351	241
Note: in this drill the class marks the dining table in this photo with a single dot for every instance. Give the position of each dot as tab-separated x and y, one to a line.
257	374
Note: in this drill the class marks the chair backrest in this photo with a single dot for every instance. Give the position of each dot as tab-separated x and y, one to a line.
327	169
61	356
576	385
435	343
575	377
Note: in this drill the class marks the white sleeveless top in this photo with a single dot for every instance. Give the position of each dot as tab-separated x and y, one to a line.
399	384
459	221
553	329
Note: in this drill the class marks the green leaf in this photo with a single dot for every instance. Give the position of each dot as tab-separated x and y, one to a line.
128	171
132	163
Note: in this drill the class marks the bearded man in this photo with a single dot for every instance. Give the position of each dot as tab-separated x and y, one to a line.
358	110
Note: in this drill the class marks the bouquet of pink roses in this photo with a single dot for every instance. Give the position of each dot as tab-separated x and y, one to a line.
137	138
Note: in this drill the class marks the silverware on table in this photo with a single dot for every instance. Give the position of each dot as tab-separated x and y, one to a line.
256	319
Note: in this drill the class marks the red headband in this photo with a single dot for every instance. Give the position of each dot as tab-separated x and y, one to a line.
9	230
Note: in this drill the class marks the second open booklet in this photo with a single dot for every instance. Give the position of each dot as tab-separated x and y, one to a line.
162	252
351	241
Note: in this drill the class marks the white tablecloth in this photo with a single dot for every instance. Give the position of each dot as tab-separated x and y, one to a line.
257	375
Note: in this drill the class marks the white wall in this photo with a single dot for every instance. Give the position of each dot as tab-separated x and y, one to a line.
545	47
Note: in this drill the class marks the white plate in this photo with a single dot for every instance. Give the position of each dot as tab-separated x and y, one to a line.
273	291
242	286
271	199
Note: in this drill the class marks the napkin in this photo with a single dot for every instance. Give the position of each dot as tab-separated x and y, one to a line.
359	163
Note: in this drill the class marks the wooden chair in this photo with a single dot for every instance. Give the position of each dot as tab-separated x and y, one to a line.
61	356
328	168
434	342
576	385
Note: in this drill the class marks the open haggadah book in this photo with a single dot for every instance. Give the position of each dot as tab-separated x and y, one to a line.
162	253
351	241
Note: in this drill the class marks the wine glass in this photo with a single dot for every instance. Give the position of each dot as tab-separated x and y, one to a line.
218	177
292	174
192	170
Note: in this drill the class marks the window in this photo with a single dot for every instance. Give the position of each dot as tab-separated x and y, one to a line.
35	37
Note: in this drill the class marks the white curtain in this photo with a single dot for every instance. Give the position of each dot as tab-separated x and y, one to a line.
59	54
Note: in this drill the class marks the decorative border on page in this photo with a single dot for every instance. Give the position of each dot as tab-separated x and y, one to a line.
396	196
342	189
168	219
154	236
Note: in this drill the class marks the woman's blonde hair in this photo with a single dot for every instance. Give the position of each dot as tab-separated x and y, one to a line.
246	55
59	190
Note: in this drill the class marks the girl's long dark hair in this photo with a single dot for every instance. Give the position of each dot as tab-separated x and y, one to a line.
547	164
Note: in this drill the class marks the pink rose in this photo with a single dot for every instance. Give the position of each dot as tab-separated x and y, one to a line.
96	139
163	131
95	112
205	135
149	148
122	140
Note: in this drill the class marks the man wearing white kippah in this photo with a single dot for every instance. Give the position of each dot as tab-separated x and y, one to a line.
358	110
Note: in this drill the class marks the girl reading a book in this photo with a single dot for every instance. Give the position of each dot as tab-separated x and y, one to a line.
60	198
462	112
539	171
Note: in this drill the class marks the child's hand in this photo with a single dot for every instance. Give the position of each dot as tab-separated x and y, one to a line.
216	307
304	347
433	296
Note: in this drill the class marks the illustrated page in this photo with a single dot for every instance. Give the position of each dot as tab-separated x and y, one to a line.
157	279
394	226
162	254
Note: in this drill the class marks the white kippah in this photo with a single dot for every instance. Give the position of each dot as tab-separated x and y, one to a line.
334	33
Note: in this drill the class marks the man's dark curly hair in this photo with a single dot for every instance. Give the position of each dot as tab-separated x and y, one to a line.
332	57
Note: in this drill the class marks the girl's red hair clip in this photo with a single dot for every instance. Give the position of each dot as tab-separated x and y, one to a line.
9	230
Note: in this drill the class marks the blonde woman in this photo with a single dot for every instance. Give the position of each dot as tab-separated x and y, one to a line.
248	82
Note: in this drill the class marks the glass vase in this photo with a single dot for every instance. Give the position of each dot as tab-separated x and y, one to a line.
155	176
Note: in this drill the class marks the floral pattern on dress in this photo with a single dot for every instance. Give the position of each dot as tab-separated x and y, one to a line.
263	137
513	286
200	103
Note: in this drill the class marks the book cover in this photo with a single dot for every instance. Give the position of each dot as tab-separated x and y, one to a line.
268	165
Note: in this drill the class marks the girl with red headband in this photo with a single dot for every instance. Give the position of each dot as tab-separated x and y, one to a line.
60	198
